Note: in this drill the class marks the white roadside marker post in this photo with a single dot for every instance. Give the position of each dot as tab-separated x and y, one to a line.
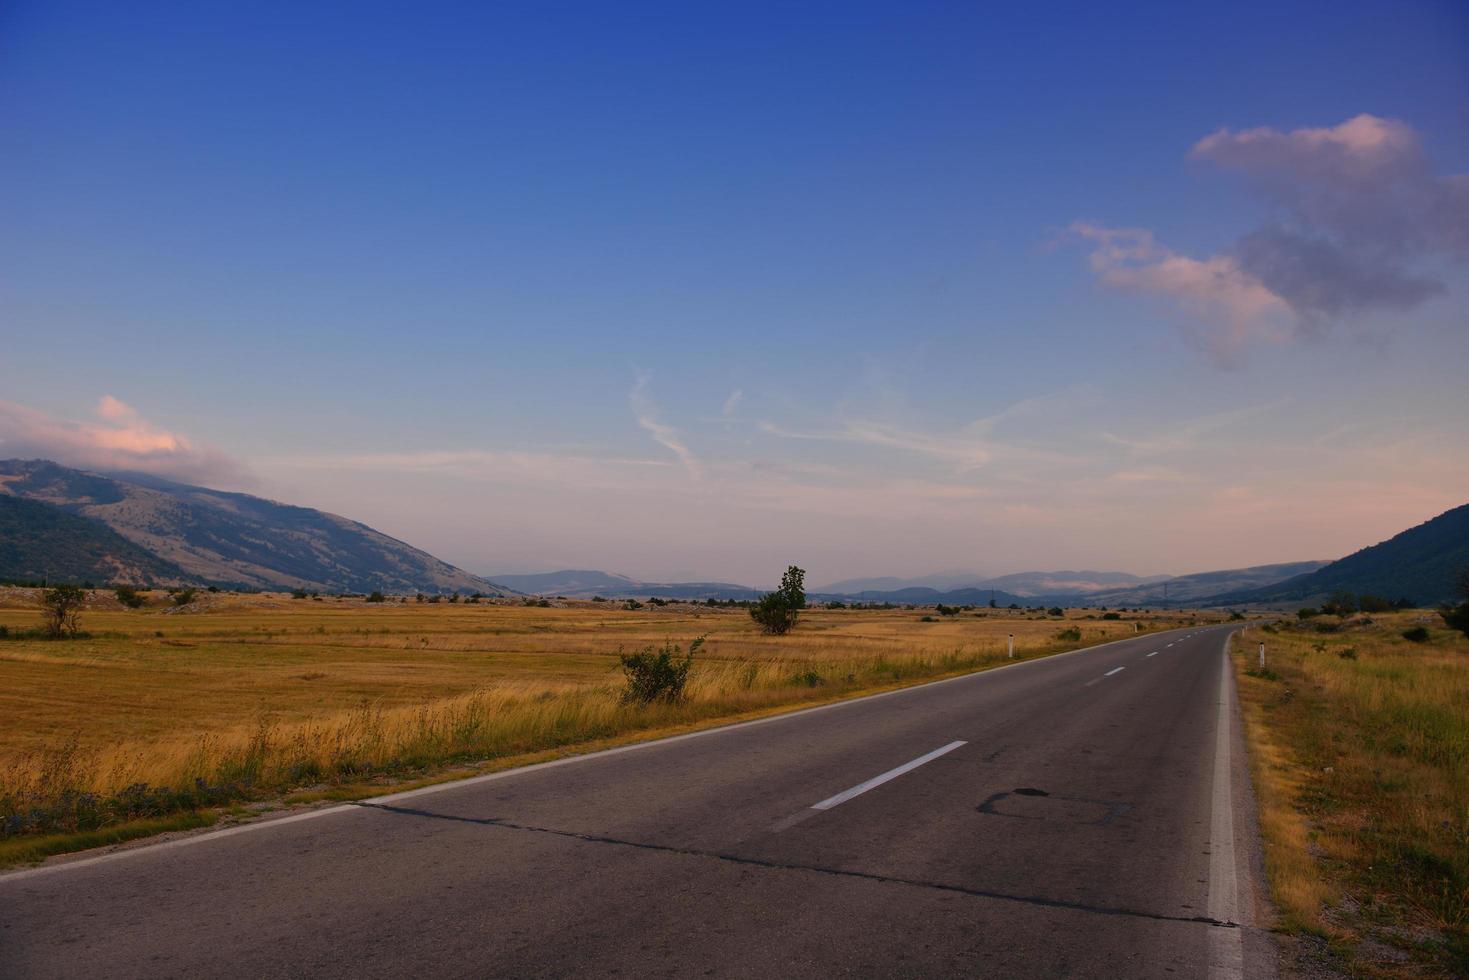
1012	646
1262	656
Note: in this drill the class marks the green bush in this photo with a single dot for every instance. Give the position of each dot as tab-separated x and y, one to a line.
184	596
657	676
376	596
128	596
1055	611
1111	615
1070	635
1416	634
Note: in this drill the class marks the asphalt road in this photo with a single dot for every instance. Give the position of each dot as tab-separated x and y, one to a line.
1083	815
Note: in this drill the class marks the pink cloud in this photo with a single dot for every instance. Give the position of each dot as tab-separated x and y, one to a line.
120	439
1357	222
1229	305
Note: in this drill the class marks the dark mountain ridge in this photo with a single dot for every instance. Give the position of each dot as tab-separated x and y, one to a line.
1420	564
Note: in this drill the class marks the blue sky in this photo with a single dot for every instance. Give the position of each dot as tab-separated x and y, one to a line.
698	290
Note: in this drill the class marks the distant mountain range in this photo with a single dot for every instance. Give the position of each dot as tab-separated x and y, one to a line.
1199	587
1025	588
1096	588
63	524
1420	564
584	584
1023	584
139	529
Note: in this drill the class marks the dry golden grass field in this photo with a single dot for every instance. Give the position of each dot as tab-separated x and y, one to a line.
232	698
1359	740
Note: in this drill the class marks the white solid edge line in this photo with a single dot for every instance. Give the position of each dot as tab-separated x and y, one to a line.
1153	654
1226	946
267	824
1114	670
877	781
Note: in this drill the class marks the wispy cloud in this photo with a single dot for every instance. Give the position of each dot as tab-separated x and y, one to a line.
963	453
647	414
1356	215
732	402
119	439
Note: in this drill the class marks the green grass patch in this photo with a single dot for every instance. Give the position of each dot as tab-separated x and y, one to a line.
30	850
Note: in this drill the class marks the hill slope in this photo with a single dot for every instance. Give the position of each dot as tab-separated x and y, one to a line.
39	541
237	539
1420	564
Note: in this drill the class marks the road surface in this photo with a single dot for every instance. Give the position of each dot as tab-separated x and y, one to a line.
1083	815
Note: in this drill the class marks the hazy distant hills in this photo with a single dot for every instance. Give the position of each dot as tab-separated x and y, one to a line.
585	583
213	536
941	581
42	542
1420	564
1200	586
1093	588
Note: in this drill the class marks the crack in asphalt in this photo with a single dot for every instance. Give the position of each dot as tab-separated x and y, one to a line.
812	868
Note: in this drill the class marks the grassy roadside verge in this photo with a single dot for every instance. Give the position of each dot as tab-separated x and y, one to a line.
71	798
1359	742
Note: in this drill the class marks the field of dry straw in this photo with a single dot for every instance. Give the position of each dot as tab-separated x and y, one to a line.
1360	746
235	698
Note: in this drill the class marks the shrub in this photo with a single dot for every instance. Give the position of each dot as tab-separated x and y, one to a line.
927	619
128	596
184	596
1069	635
61	611
1236	616
944	610
1055	611
1374	604
1113	615
376	596
1456	617
301	594
657	676
1310	612
1347	653
778	611
1416	634
597	598
834	604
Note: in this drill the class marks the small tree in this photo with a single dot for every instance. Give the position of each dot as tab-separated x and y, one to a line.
61	611
376	596
128	596
777	612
